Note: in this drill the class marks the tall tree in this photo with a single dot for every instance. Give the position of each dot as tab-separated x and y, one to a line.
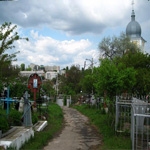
116	46
7	38
22	67
70	82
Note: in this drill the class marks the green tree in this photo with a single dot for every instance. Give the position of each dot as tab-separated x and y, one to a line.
69	83
22	67
116	46
28	69
114	79
141	63
48	88
87	81
7	38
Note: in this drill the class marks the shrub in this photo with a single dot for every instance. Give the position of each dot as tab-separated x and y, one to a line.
34	118
4	126
15	118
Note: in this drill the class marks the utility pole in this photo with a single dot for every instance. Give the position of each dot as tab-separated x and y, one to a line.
57	84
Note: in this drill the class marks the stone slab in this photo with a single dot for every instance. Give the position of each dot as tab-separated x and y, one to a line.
17	138
40	125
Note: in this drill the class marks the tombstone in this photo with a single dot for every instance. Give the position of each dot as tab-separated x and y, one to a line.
27	119
68	101
21	105
98	102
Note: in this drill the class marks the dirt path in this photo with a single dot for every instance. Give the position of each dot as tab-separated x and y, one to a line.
76	135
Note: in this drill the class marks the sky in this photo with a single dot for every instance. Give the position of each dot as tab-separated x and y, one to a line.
67	32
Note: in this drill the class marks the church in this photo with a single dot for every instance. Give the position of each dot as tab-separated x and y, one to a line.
133	30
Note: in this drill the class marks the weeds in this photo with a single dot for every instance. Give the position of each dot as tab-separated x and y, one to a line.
40	139
106	128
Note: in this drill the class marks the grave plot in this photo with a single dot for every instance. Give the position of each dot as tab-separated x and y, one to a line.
21	133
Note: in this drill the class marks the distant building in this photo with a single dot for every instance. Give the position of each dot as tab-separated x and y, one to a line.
50	75
28	73
134	31
52	68
62	72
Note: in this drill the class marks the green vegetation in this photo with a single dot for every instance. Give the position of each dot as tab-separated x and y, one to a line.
8	36
14	119
55	121
103	123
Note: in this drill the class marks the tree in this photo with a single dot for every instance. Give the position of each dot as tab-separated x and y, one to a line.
113	79
116	46
7	39
141	63
28	69
22	67
69	84
48	88
87	81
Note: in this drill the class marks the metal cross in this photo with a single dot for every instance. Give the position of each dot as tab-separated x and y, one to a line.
8	101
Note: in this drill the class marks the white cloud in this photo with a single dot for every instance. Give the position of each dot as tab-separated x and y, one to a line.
45	50
72	17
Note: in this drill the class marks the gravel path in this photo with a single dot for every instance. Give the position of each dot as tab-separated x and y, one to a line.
76	135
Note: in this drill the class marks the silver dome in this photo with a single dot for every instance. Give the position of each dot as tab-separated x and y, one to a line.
133	28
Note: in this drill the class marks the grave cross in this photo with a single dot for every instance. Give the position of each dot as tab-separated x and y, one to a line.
8	101
27	119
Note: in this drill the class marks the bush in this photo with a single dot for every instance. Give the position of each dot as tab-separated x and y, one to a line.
34	118
4	126
15	118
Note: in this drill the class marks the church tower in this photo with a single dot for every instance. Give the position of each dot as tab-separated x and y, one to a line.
133	30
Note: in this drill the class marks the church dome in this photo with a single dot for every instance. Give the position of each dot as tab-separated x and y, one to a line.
133	28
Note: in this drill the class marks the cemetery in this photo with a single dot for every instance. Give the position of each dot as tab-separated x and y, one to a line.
103	104
19	118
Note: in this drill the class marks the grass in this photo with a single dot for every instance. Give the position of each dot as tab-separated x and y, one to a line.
40	139
101	121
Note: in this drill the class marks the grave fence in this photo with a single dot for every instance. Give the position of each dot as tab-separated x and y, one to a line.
133	118
140	126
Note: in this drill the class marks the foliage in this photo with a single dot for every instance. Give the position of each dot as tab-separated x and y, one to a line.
102	122
48	88
34	118
28	69
112	79
18	87
69	83
141	63
116	46
41	138
15	118
4	125
22	67
87	81
7	38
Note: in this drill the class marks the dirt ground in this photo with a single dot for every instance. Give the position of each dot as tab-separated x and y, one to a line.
77	133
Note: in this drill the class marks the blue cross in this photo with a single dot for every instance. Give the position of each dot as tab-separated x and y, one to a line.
8	100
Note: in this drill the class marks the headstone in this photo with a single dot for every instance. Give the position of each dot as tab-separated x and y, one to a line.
21	105
27	119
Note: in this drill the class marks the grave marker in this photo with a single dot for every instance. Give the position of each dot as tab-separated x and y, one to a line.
8	100
27	119
34	83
